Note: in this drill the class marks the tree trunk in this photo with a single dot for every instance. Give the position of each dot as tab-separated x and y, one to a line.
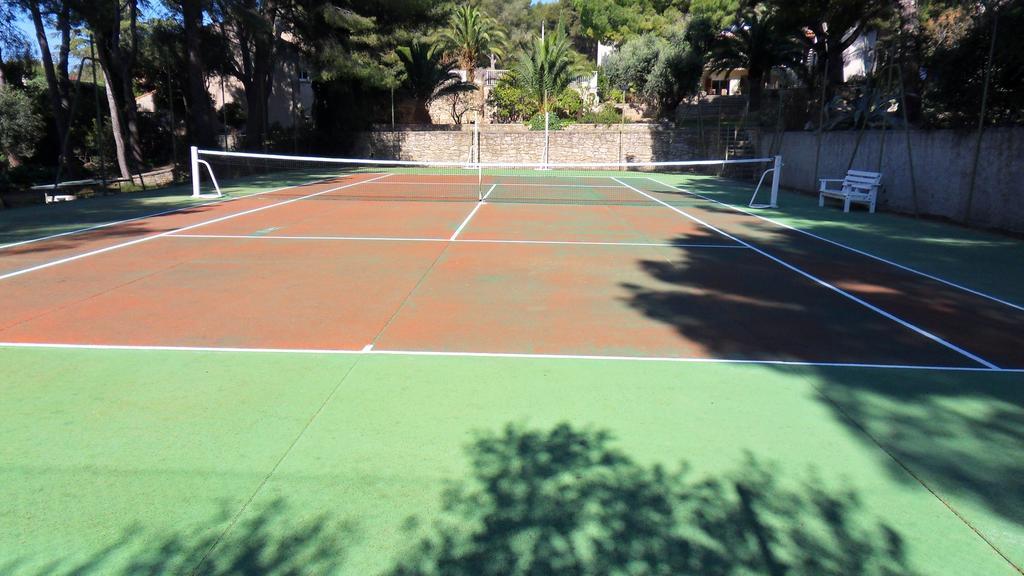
200	114
910	57
834	63
755	82
117	74
63	80
255	129
58	103
116	127
421	113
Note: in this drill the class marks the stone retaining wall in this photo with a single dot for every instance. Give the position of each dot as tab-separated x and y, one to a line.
517	143
942	164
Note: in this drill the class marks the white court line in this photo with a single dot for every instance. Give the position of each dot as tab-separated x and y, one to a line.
171	211
171	232
466	221
370	351
471	214
847	247
457	240
825	284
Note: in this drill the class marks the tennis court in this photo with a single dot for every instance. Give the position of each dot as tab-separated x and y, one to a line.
326	343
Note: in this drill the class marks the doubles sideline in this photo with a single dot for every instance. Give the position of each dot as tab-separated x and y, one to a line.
824	284
847	247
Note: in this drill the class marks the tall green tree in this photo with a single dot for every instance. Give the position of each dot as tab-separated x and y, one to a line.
429	75
471	35
517	18
834	26
758	42
545	69
350	49
657	72
114	27
250	33
57	78
199	120
20	126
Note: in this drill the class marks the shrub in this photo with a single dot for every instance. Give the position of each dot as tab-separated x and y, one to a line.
657	73
20	125
569	104
509	102
554	123
607	114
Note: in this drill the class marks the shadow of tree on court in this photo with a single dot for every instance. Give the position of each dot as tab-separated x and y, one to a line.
960	433
740	305
555	501
566	501
270	541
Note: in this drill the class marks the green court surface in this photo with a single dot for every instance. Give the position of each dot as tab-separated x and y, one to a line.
168	462
157	461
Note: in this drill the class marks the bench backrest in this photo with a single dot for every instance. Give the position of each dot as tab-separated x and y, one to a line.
862	178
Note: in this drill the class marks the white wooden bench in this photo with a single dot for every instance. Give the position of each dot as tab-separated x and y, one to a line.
857	186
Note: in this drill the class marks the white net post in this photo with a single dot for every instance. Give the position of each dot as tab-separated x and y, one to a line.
547	136
193	155
480	182
476	139
776	181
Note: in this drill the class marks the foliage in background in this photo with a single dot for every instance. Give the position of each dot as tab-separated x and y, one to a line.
508	102
957	47
350	49
656	73
545	70
554	122
760	40
429	76
863	104
20	127
605	114
470	36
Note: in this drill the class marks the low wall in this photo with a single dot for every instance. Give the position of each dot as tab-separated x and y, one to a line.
942	161
517	143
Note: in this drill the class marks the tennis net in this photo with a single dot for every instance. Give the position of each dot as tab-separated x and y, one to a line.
216	173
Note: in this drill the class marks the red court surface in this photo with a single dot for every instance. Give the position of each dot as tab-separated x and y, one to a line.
667	302
26	255
326	216
287	272
221	293
588	223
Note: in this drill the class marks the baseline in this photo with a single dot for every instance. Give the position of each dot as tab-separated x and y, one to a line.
370	350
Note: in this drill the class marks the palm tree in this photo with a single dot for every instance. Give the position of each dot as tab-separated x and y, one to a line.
759	42
429	76
545	70
471	35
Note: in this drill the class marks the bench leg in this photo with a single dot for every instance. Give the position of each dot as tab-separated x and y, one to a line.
821	200
871	208
846	204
